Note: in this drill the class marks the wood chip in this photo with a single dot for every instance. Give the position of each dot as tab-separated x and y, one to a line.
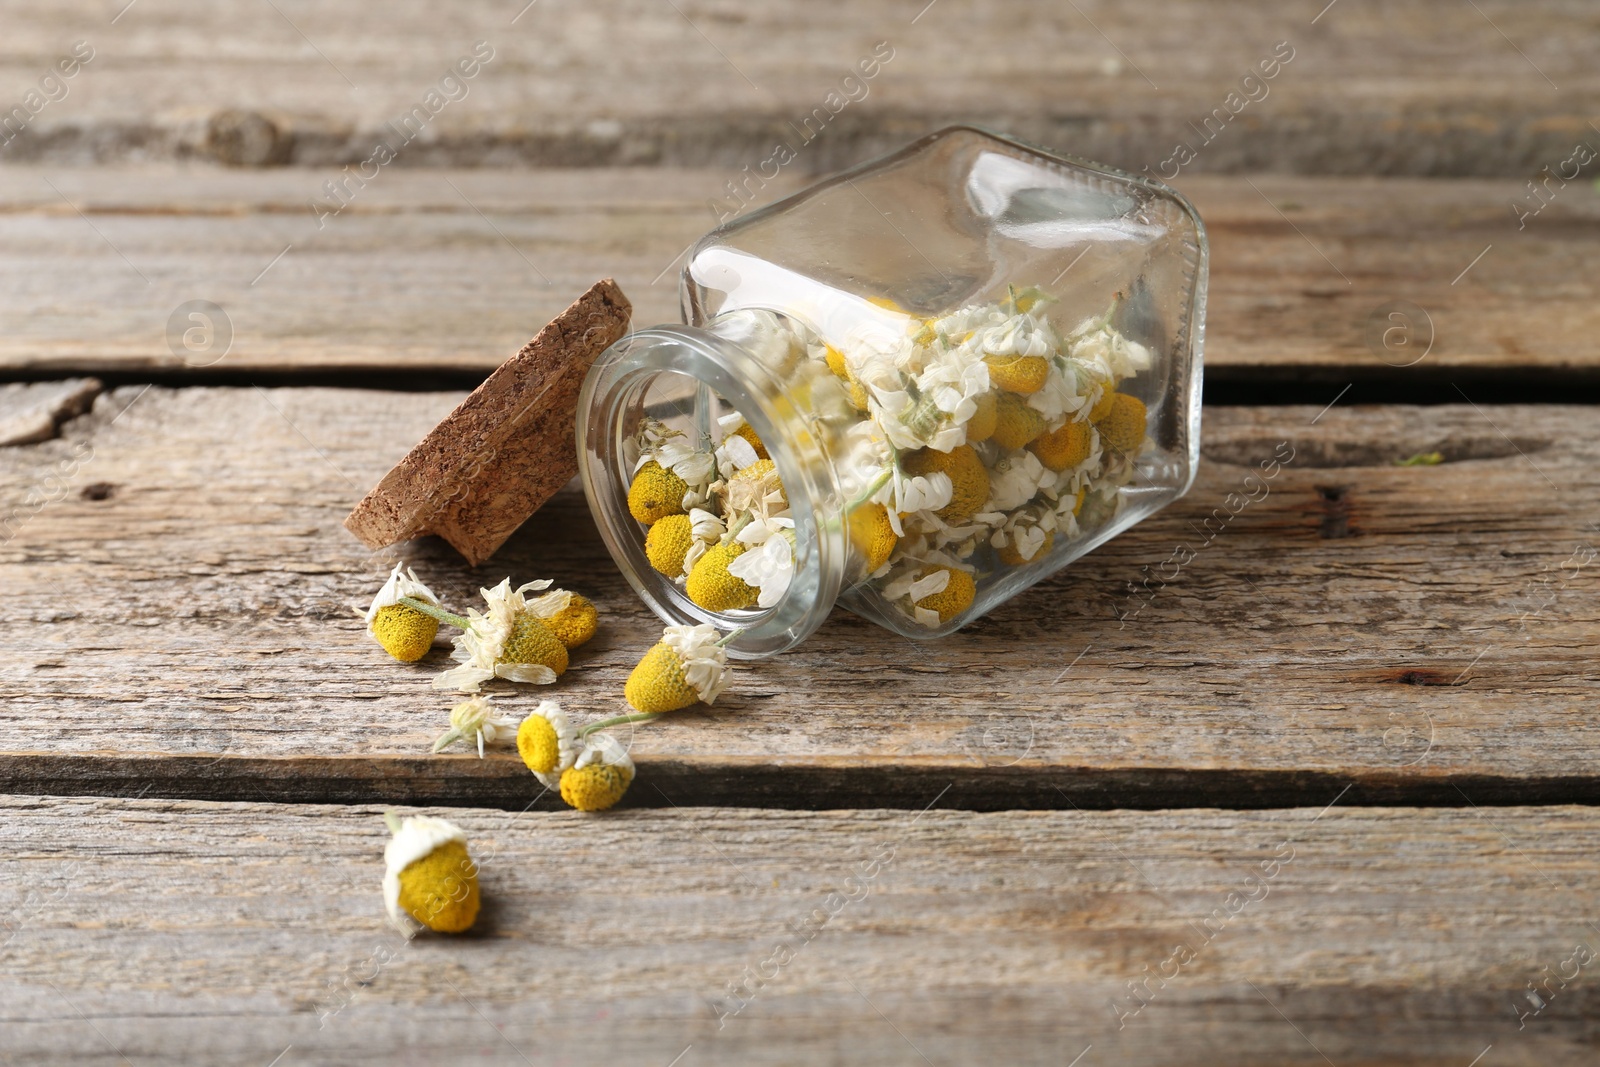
496	458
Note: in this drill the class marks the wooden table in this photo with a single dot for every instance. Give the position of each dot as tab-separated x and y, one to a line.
1327	796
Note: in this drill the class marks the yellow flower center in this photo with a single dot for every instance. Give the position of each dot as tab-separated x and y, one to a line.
712	587
595	787
872	535
538	744
667	542
657	684
404	632
1102	407
969	479
440	890
656	493
954	598
981	426
1015	422
1122	427
576	623
531	641
750	435
1018	374
1064	448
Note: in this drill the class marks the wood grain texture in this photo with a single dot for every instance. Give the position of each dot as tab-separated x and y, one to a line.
187	626
1415	87
440	274
226	933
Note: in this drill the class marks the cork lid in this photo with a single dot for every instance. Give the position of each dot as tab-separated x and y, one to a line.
507	448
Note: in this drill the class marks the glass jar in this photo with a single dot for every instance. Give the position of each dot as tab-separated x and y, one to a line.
968	363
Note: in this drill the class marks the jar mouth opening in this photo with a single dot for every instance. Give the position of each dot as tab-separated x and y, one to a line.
698	386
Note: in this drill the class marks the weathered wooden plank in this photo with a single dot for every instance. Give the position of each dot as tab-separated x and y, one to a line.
444	274
192	932
1419	87
182	590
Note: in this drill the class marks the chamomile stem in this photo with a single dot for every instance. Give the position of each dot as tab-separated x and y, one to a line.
722	642
620	720
436	612
872	488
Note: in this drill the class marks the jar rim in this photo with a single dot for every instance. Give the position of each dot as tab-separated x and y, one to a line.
609	407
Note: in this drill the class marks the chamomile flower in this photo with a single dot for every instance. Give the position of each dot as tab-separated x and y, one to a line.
1026	535
969	480
429	878
688	665
933	592
1122	426
769	566
508	641
705	530
671	474
599	776
403	631
713	586
475	718
547	743
572	617
1014	479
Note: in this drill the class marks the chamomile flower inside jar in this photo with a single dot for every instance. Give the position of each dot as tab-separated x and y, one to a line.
913	391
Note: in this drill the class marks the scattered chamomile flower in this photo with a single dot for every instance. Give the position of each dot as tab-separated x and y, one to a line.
474	718
547	743
429	879
688	666
599	776
572	617
403	631
509	642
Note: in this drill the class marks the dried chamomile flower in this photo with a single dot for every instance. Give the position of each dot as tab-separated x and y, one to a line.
744	430
688	666
854	389
1018	374
1065	447
599	776
1016	552
935	593
1122	426
475	718
510	641
1016	423
403	631
985	417
969	479
768	565
547	743
572	617
667	542
757	488
656	493
429	878
872	535
710	584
